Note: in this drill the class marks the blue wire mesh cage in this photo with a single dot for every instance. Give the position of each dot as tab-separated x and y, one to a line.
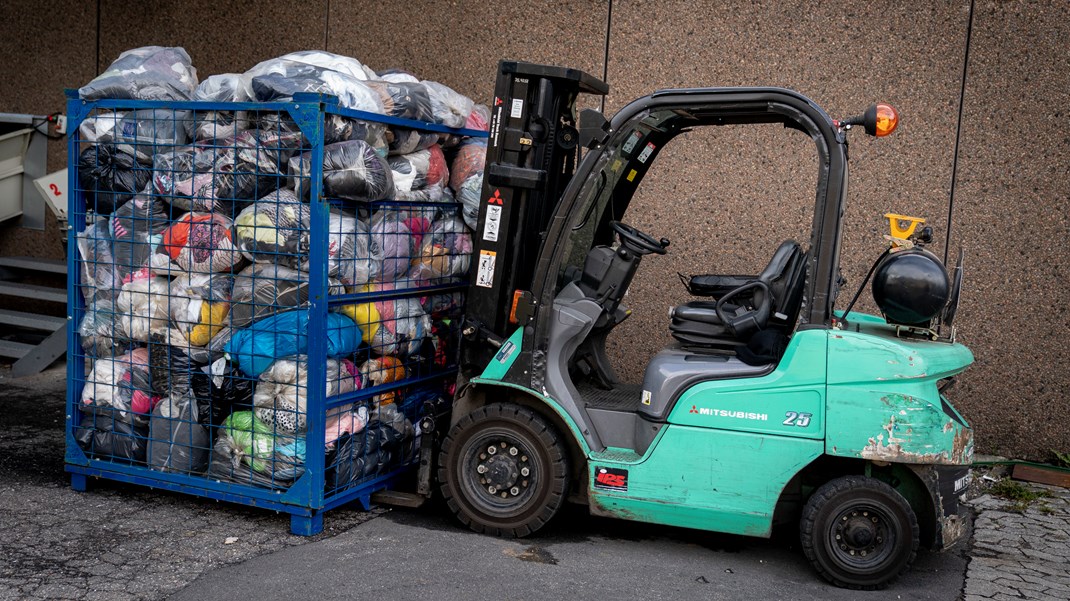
265	298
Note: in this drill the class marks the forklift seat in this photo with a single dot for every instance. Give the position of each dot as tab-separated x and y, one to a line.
769	301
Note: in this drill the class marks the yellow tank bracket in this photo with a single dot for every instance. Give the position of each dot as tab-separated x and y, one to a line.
895	221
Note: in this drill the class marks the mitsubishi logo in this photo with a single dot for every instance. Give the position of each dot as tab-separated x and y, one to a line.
693	409
496	199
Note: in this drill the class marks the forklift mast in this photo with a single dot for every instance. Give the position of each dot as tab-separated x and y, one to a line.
531	155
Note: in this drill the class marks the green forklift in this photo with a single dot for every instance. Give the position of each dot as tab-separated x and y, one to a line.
771	407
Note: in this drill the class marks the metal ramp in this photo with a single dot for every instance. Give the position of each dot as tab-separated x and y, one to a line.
36	337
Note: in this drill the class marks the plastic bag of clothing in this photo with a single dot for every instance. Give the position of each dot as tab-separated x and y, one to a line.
199	242
380	372
470	159
136	229
416	172
256	347
199	306
351	170
281	393
149	131
174	371
392	326
405	100
122	383
214	178
479	118
178	442
402	140
357	259
249	452
469	195
445	303
143	307
103	436
277	229
279	79
336	128
100	274
316	58
100	330
100	126
109	175
446	250
264	289
216	127
348	419
385	442
148	73
224	87
393	240
448	107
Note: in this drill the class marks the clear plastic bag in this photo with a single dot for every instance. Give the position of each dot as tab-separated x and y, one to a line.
200	304
136	227
147	73
148	130
247	451
470	159
405	100
99	127
100	275
390	327
214	178
101	331
122	384
445	251
143	308
199	242
392	239
448	107
468	195
352	170
281	78
415	172
282	390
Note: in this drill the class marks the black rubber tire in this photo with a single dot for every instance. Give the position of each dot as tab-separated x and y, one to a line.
847	507
542	451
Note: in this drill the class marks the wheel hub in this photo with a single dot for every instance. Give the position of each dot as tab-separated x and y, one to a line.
503	469
859	532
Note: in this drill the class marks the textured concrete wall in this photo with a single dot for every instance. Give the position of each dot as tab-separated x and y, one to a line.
1011	216
726	196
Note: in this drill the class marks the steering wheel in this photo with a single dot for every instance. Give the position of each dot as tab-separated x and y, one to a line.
639	242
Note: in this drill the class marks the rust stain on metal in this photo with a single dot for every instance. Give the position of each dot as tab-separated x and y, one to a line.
889	446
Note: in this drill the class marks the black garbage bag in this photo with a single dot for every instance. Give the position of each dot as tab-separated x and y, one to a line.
105	435
216	396
109	176
178	442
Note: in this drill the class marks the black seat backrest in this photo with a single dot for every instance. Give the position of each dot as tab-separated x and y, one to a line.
785	275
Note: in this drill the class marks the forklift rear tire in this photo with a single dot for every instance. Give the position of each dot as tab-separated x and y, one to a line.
859	533
503	470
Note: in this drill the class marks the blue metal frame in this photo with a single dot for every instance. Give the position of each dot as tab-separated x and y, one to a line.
305	500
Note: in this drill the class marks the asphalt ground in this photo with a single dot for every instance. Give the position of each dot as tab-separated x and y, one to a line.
124	542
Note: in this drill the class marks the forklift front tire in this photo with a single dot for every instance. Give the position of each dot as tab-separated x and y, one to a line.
503	470
859	533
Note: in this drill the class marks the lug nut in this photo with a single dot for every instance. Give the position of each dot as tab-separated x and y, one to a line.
492	449
505	496
863	553
512	451
523	457
524	471
482	456
837	536
492	489
504	445
514	491
481	469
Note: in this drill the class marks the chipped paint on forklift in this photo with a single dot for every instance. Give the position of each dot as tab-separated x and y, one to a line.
884	403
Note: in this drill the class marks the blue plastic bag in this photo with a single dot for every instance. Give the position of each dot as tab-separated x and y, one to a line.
285	334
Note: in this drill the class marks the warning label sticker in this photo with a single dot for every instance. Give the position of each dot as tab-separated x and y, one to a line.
493	223
485	271
517	108
643	156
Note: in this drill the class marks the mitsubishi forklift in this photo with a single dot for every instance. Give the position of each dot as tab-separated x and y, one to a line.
772	406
